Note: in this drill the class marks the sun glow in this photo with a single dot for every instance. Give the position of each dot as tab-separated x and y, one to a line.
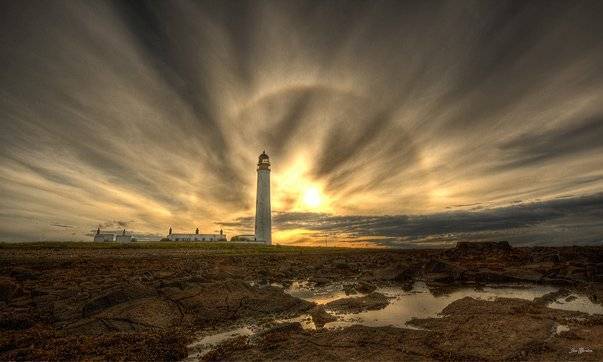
312	197
294	190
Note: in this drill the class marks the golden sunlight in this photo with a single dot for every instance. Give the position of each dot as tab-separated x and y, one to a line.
312	197
295	191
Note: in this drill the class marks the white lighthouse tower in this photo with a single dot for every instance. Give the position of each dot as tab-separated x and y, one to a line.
263	218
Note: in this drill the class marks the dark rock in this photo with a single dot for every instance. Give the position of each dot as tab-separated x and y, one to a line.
232	299
37	292
20	273
484	275
320	317
438	271
373	301
398	273
443	278
142	314
405	275
408	286
349	289
8	289
438	266
341	265
281	332
184	282
551	297
11	320
364	287
320	281
115	297
524	274
483	246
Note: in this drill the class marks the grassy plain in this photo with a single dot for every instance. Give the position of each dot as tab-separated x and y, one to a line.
210	247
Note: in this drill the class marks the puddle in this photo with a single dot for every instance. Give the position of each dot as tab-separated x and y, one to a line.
579	303
318	295
404	306
420	303
200	347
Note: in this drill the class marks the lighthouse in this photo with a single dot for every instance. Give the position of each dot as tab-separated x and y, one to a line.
263	218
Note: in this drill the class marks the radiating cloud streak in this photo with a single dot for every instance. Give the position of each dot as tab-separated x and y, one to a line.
153	113
523	224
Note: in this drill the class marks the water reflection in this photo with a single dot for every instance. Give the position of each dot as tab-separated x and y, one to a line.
421	303
317	294
205	344
575	302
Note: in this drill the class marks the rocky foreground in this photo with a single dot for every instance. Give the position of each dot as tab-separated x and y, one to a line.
148	304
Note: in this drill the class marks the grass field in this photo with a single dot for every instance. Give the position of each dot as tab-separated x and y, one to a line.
212	247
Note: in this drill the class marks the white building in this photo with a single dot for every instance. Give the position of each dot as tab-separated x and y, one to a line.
123	238
196	236
103	237
263	217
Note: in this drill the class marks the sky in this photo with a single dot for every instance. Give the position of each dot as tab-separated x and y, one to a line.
388	123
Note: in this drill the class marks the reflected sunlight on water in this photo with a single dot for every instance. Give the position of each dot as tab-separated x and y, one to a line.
578	303
419	302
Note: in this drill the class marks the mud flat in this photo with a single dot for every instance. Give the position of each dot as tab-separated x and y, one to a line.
482	302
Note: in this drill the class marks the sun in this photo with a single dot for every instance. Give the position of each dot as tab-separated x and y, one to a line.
311	197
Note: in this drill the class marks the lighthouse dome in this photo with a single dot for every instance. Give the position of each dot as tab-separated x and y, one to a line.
264	156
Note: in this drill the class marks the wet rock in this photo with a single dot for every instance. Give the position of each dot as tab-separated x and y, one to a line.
364	287
353	343
408	286
116	296
485	275
462	331
349	289
232	299
320	317
551	297
282	332
143	314
438	266
398	273
523	274
440	272
373	301
406	275
201	293
320	281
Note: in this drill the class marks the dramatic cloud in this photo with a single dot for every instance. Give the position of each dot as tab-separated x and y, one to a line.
560	221
471	118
